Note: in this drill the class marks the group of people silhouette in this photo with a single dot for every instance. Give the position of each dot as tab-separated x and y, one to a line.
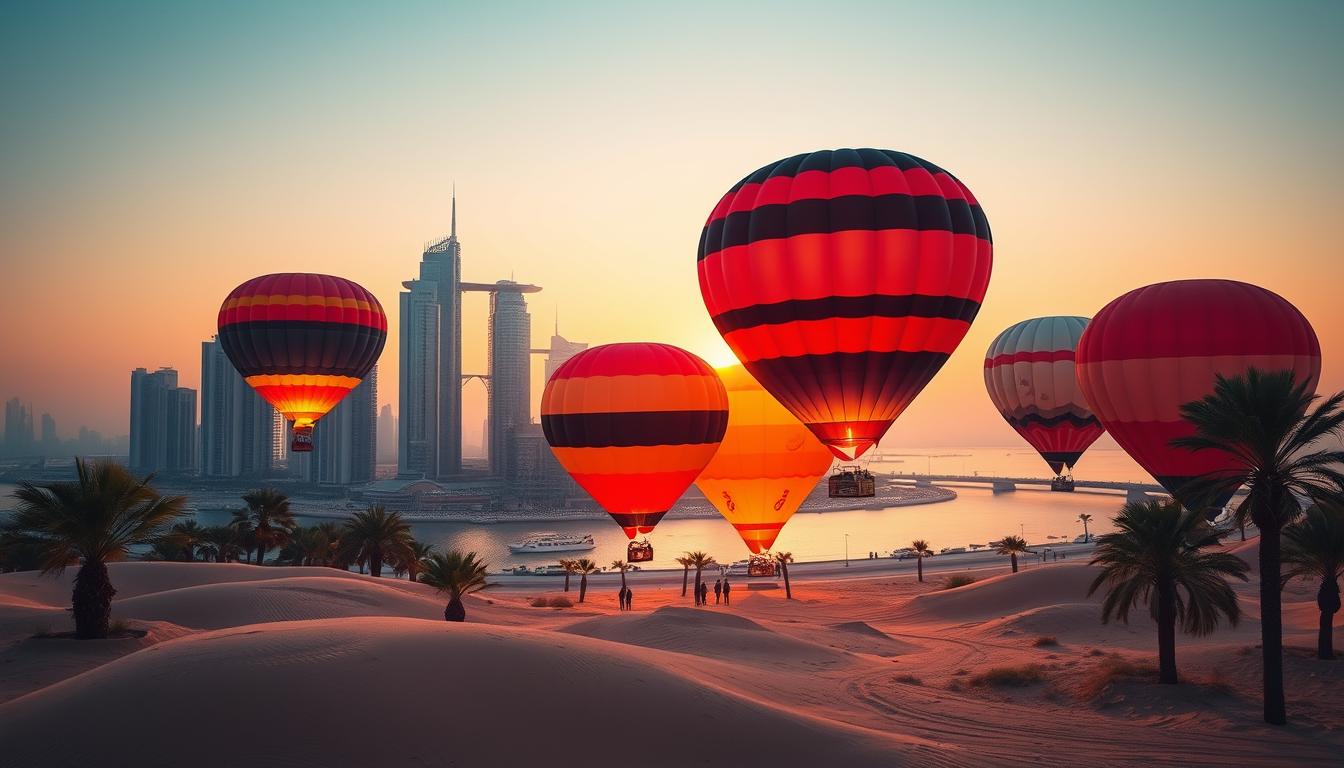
722	591
625	596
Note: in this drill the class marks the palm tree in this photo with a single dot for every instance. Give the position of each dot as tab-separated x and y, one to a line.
1156	557
1085	518
242	526
1266	425
622	566
187	536
92	521
1012	546
456	575
413	559
699	561
570	569
375	536
1313	547
922	550
784	558
219	542
685	572
268	518
584	566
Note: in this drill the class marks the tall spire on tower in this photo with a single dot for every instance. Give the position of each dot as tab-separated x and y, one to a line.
453	232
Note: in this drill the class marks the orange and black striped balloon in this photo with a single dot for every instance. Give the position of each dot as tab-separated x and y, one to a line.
843	280
634	424
303	341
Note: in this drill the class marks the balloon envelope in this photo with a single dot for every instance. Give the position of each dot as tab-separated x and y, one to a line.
634	424
302	341
1030	377
767	464
1156	348
843	280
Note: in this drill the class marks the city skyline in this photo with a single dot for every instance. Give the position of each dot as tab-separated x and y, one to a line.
1198	124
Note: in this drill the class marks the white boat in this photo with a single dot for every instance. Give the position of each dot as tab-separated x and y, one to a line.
554	542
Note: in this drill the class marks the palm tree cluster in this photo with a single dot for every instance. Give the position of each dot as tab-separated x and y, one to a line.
1278	441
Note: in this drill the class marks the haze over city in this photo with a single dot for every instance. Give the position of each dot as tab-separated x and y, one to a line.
163	155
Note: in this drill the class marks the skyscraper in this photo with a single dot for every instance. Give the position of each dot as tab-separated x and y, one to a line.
237	425
431	363
561	350
18	428
510	389
163	422
387	436
345	441
48	431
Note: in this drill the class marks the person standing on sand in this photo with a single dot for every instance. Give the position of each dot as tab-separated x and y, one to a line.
704	593
726	589
629	599
718	590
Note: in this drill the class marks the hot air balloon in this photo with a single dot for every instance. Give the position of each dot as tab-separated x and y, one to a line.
634	424
302	341
843	280
1156	348
1029	375
767	464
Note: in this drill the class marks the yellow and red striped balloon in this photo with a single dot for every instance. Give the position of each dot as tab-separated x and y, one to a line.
634	424
765	467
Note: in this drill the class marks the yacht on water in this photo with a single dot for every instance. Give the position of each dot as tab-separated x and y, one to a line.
554	542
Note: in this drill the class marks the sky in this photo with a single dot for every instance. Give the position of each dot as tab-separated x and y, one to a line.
153	156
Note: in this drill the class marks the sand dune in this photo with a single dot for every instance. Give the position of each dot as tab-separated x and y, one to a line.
1005	594
407	692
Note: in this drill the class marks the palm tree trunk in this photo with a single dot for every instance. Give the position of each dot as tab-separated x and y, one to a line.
1014	557
622	582
376	565
1327	599
91	602
1166	631
788	591
455	611
1271	621
583	587
919	567
566	581
685	576
697	584
261	554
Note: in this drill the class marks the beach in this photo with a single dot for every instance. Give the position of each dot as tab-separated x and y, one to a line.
865	666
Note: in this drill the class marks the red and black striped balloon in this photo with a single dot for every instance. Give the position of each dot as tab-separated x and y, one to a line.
843	280
1159	347
303	341
634	424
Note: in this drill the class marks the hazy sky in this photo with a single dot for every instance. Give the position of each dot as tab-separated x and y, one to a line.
152	156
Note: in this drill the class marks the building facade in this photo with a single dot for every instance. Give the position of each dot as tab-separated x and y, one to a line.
163	423
345	441
237	425
18	428
561	350
430	390
510	385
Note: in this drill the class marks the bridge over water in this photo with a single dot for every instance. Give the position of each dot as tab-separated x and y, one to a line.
1132	491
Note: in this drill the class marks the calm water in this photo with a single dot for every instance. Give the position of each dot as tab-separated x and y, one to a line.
975	517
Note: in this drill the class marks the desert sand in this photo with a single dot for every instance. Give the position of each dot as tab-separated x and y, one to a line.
244	665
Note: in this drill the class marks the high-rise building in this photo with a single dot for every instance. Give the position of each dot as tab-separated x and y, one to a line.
237	425
345	441
163	422
561	350
510	386
387	436
431	363
18	428
48	431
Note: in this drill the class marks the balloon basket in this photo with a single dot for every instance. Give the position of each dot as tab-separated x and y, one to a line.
639	552
302	441
1062	484
851	481
761	566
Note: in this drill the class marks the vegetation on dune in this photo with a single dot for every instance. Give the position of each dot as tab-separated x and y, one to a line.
922	550
1012	546
1158	556
1269	427
1009	677
265	523
1045	641
1313	548
457	575
375	537
958	580
91	521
